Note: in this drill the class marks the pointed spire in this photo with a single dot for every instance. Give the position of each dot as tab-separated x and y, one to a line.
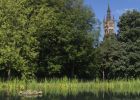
108	12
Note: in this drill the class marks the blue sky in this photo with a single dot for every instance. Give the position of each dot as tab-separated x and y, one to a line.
117	7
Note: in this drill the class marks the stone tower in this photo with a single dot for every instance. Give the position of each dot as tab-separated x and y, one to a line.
109	24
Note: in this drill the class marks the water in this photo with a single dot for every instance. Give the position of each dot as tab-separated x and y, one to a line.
79	96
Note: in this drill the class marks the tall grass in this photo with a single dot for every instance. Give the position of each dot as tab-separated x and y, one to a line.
65	86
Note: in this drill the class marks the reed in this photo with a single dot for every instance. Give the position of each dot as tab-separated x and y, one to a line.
65	86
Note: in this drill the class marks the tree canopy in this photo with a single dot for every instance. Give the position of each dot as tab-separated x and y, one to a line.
46	38
58	38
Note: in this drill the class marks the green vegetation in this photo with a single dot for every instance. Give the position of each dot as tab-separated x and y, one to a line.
57	38
65	86
120	57
52	39
46	38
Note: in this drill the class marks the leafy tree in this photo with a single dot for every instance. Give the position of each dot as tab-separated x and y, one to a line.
129	26
119	58
129	29
106	56
66	43
18	43
47	38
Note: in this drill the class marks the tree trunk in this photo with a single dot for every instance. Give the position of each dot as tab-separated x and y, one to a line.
9	74
72	72
103	75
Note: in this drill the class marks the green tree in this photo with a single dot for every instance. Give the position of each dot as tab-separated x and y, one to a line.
66	43
18	43
129	30
120	58
47	38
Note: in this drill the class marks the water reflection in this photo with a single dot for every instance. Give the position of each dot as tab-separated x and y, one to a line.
80	96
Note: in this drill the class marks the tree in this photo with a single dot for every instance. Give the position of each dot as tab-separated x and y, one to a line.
47	38
129	30
119	57
66	43
18	43
128	26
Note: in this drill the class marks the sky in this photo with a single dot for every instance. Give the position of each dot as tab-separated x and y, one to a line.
117	7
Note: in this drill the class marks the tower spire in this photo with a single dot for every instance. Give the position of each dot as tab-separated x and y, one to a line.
108	12
109	24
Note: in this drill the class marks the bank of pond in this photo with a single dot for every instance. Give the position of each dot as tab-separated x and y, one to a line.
64	88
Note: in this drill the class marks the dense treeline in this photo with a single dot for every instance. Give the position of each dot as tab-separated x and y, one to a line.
58	38
119	55
46	38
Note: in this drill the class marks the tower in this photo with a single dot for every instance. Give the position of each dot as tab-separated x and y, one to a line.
109	24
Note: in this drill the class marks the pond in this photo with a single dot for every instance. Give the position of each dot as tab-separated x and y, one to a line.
79	96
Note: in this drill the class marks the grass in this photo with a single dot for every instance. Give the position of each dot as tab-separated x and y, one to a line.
65	86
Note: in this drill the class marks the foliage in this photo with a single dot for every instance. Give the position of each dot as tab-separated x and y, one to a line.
18	44
66	87
60	38
129	28
119	57
46	38
66	44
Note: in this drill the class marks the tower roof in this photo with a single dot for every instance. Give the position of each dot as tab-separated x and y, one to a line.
109	24
108	13
108	10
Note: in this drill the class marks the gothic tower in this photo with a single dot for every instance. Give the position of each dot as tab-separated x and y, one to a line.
109	24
